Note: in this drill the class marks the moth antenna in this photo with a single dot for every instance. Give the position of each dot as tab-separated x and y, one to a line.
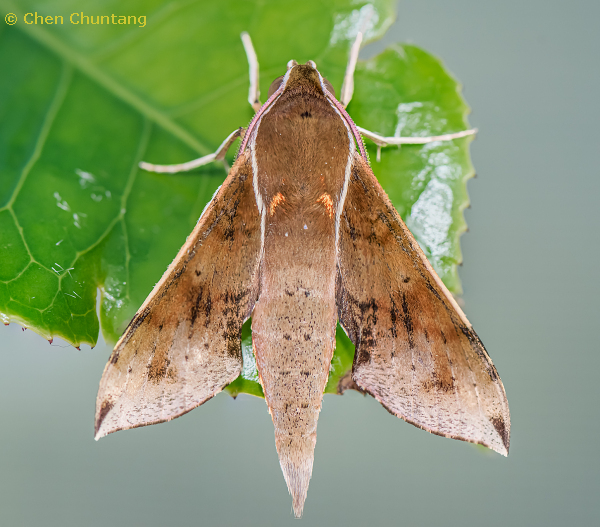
253	90
219	155
348	84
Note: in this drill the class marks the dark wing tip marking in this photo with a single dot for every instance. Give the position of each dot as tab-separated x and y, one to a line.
503	431
498	424
105	408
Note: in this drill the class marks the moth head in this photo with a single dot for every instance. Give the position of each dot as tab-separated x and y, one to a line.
302	74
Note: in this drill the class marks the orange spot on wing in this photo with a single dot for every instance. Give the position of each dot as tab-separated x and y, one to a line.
327	202
275	201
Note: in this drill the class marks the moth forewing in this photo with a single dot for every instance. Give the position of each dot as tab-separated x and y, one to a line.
416	352
183	345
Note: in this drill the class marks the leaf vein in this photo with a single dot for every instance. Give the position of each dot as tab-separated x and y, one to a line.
97	74
56	103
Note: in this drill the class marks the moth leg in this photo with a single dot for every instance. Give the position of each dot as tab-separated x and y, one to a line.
219	155
382	141
254	90
348	84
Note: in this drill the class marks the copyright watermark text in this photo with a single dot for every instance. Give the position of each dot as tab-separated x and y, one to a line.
78	19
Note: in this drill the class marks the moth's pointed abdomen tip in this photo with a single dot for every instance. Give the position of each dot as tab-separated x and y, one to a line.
296	456
298	508
298	501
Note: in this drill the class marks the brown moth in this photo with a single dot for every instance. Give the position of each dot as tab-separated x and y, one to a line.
301	236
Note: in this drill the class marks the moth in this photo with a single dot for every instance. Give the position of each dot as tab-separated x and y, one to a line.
301	236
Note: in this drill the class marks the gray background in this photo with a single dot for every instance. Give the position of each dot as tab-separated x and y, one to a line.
530	71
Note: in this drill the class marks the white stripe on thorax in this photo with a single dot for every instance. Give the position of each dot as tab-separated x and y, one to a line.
347	172
252	144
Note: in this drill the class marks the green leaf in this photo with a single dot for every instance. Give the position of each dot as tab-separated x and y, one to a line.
82	104
407	92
